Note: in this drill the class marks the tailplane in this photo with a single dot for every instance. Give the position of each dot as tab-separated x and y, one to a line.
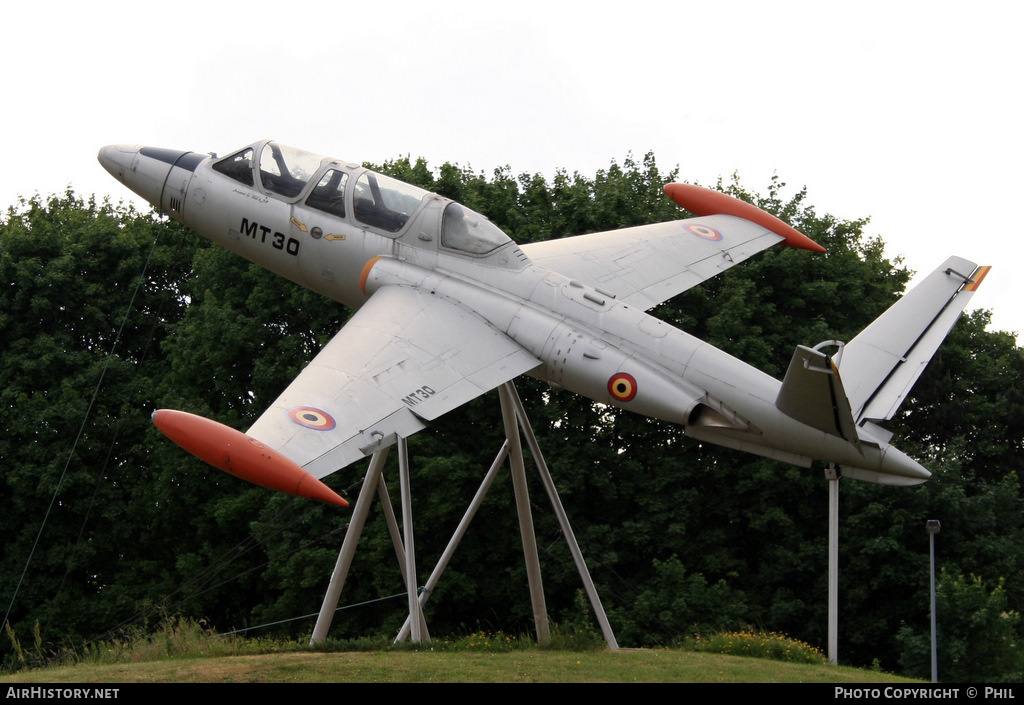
812	393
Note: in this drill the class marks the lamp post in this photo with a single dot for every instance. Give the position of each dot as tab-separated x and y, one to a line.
833	474
933	527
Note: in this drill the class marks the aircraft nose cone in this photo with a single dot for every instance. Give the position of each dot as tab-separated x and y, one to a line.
117	159
142	169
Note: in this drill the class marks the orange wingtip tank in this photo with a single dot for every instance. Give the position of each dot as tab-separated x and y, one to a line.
241	455
701	201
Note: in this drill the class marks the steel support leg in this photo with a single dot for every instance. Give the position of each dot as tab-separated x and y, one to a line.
348	547
563	519
396	534
460	532
526	531
419	632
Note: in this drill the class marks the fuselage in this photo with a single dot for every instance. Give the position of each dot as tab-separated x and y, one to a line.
344	231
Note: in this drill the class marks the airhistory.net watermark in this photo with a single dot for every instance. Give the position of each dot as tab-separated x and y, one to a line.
48	693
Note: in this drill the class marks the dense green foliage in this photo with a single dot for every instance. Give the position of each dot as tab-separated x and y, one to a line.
681	537
981	635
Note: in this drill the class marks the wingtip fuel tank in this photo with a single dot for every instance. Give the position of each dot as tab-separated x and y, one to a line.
702	201
241	455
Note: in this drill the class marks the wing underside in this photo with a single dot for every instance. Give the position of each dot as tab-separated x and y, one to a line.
649	264
405	356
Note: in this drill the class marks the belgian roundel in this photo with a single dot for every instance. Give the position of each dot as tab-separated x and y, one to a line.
312	418
704	231
622	387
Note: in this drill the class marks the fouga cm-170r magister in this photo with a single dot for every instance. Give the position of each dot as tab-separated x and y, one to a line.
449	307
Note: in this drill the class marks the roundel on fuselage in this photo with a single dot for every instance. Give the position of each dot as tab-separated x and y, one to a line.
622	386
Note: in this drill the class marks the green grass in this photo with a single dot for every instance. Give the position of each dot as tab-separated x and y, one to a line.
182	651
407	666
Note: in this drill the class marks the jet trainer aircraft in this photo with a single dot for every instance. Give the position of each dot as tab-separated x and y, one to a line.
449	307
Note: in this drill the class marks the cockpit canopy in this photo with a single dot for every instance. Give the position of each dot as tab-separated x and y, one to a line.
347	191
468	231
382	202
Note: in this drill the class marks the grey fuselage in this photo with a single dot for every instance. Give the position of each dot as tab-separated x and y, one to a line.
345	232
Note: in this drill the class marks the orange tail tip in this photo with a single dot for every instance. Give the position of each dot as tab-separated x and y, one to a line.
701	201
979	276
241	455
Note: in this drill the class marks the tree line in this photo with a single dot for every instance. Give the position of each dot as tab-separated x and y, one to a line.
108	313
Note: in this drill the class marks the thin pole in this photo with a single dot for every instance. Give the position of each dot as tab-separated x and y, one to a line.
933	527
833	475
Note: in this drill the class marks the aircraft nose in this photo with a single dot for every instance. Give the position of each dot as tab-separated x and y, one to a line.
117	159
142	169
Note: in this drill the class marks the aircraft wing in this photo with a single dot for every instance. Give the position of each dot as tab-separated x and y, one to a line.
406	355
649	264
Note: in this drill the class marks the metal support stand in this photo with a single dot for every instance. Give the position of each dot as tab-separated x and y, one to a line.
515	420
396	535
563	519
460	531
526	531
419	625
348	547
833	474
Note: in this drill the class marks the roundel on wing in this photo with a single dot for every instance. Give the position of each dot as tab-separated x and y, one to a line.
622	387
316	419
704	231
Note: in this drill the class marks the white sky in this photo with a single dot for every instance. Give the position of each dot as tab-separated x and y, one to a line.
907	112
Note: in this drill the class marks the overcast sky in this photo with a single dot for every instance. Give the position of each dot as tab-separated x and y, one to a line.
905	112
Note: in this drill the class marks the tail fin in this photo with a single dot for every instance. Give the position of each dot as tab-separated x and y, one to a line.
881	364
876	370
